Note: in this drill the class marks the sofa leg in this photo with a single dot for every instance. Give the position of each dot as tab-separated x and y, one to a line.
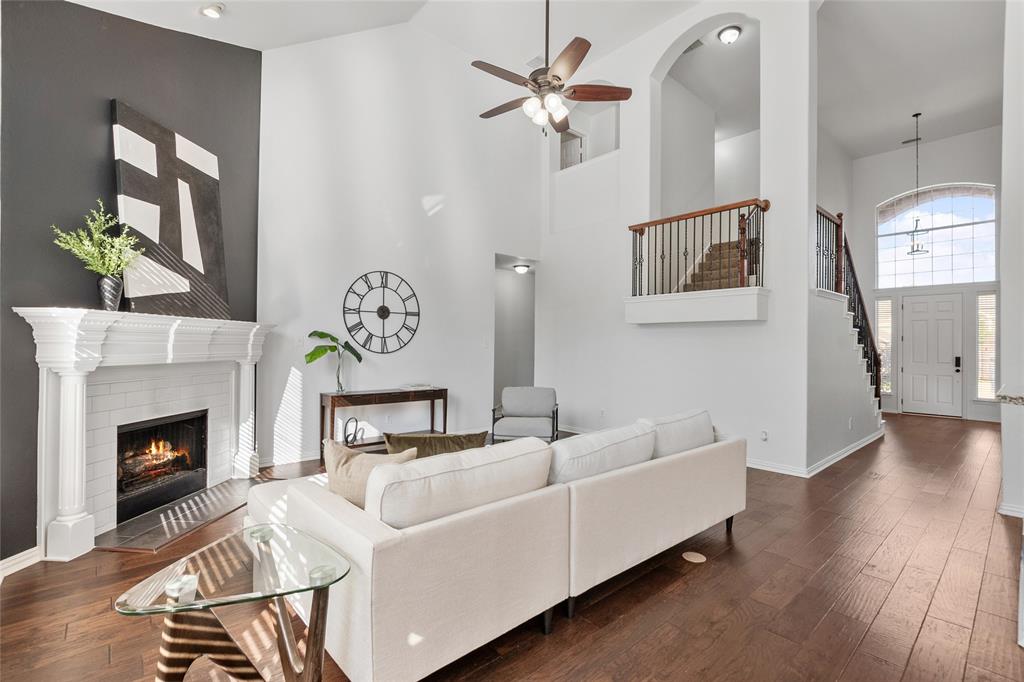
548	618
570	607
728	525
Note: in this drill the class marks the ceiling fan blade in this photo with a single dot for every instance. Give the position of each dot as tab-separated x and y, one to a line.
504	74
559	126
565	64
502	108
596	93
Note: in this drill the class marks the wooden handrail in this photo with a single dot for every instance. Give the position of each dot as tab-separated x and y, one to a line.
763	204
828	215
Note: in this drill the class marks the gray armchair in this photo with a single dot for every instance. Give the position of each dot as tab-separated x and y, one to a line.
525	411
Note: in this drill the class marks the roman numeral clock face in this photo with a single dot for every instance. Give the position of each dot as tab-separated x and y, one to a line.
381	312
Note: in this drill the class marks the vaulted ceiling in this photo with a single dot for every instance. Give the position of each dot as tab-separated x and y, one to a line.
508	32
880	62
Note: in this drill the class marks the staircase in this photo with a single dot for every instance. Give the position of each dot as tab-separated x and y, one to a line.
719	268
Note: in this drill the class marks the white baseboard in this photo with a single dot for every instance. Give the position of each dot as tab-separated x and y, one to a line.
765	465
1011	510
836	456
19	561
807	472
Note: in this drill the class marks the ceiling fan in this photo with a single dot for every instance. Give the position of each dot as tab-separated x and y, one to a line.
548	84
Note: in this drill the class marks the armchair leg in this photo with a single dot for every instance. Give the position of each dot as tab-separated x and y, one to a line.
728	525
570	607
548	619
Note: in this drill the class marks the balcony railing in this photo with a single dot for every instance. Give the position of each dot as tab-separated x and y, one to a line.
715	248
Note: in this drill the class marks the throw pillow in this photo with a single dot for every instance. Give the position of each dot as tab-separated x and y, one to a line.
348	469
429	444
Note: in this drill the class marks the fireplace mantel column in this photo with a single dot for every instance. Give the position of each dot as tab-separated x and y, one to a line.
71	533
69	342
246	461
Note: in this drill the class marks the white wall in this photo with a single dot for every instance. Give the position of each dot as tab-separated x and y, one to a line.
609	373
513	330
687	149
379	168
737	165
835	176
841	405
600	126
1011	245
971	157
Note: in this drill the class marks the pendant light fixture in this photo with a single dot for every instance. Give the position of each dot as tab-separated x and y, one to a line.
916	245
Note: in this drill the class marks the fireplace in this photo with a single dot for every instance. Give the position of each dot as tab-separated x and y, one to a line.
159	461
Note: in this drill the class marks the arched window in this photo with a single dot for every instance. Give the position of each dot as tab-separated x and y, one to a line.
943	234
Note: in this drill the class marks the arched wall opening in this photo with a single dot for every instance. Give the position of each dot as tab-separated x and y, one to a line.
706	118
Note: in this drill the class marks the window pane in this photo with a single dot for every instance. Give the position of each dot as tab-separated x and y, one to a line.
961	254
987	346
883	327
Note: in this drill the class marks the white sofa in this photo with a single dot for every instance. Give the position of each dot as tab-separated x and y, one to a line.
464	550
423	595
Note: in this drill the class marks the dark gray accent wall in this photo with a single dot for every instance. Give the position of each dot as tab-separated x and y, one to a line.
61	66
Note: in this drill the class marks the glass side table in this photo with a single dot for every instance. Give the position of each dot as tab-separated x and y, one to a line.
266	562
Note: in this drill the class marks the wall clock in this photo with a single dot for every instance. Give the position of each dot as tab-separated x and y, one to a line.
381	311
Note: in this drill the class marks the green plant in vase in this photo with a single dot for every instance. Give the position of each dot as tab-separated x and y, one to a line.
336	346
106	254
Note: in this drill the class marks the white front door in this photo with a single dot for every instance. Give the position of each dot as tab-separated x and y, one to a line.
932	354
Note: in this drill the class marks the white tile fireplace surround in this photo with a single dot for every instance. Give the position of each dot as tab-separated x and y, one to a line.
100	369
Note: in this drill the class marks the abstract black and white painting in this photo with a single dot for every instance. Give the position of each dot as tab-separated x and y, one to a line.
168	191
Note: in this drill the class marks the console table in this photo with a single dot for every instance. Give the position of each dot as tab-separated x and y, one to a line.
330	402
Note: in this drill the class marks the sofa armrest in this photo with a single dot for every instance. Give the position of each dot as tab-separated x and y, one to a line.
361	539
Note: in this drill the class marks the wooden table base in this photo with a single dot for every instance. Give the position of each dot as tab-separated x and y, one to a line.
190	635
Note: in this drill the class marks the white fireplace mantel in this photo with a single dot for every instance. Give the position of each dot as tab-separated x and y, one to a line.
71	343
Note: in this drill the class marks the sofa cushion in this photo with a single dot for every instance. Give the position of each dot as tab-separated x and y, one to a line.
680	432
267	502
430	444
527	401
595	453
403	495
523	426
348	469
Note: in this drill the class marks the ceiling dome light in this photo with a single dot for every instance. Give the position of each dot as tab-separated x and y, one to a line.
521	268
730	34
552	101
213	11
541	117
531	106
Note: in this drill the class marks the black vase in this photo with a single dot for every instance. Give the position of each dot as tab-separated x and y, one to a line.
110	292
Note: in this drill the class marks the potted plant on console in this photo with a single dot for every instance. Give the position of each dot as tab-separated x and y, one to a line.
337	346
104	253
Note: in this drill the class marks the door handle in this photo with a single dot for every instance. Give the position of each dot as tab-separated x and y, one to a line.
956	364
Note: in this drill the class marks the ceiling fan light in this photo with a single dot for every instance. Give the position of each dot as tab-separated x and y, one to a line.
552	102
531	106
541	117
561	112
730	34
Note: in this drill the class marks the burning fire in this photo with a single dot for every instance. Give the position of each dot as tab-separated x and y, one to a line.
160	451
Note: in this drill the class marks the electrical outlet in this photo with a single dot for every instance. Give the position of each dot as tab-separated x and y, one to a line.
764	435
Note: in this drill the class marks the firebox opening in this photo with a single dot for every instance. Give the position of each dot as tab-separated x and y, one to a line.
159	461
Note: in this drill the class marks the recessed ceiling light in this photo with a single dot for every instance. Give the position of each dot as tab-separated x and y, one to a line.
730	34
521	268
212	11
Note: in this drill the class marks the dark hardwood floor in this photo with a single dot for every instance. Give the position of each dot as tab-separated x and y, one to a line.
891	564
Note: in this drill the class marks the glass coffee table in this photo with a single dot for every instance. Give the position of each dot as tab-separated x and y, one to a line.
265	562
